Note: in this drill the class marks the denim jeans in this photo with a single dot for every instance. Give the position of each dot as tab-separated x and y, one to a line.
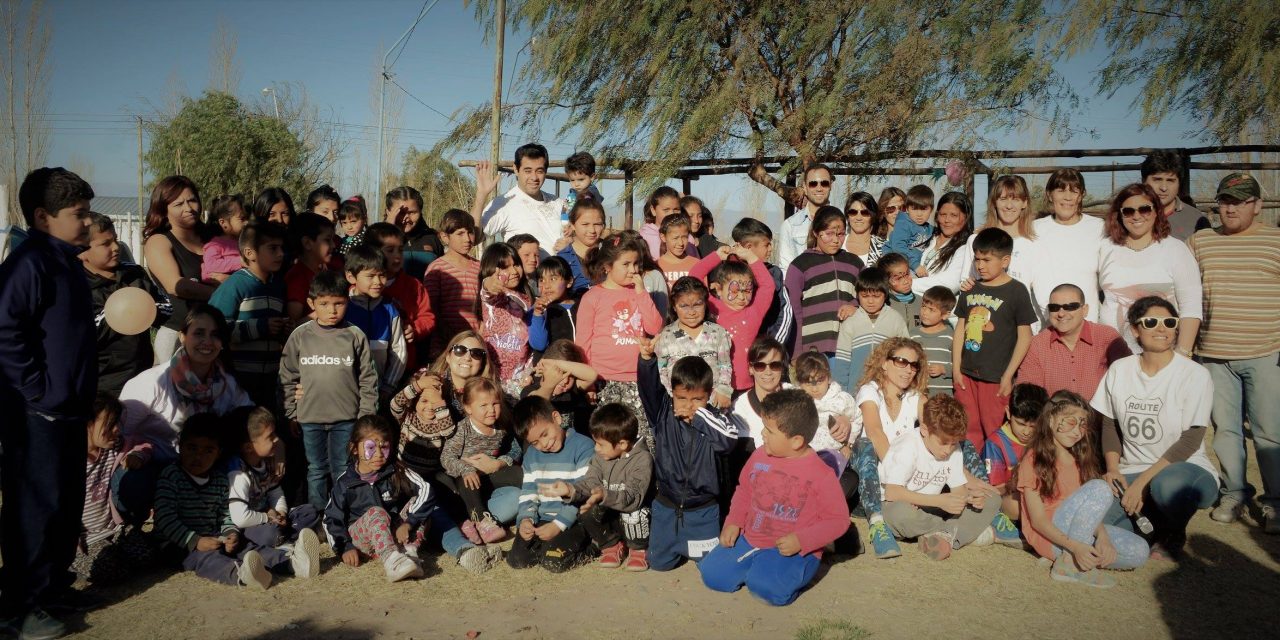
1173	497
1247	388
327	453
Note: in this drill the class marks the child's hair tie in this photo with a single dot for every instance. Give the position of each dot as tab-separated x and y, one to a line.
616	240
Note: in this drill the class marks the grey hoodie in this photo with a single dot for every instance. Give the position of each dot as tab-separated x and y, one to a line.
627	480
335	367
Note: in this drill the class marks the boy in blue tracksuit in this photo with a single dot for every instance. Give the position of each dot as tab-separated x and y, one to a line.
48	379
687	437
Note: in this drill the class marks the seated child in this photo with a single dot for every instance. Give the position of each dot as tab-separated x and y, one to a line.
553	311
353	217
381	509
221	256
934	333
911	229
913	474
689	436
549	532
425	422
193	515
786	509
1004	449
870	325
481	456
901	296
615	494
837	413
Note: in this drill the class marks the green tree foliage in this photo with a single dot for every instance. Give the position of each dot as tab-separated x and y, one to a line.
1214	60
442	184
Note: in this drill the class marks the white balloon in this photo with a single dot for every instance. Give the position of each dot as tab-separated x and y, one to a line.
130	311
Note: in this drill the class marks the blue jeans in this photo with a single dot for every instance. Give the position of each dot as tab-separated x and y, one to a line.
1080	514
327	454
1173	497
504	503
445	531
1247	388
769	575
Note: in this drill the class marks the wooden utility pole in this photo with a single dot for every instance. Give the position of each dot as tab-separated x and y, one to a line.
142	219
500	27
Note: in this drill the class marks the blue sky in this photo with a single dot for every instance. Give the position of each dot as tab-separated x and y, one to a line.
113	60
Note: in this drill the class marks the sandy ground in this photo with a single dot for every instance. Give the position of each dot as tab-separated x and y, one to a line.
1228	586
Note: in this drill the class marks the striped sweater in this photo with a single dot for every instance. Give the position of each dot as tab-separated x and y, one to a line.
187	510
859	335
247	303
1241	277
818	285
467	441
569	464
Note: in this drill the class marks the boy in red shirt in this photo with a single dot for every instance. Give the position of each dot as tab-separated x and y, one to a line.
787	507
407	292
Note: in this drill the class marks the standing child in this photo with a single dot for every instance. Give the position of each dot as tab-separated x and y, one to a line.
689	333
786	509
353	217
587	219
453	281
935	335
501	307
222	253
663	202
481	456
870	325
1002	453
333	362
311	239
530	253
549	533
324	201
911	228
675	260
779	321
422	244
820	284
743	291
409	294
376	316
252	300
902	297
553	311
993	333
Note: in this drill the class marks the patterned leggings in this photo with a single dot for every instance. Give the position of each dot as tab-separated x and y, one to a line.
372	534
866	463
1080	514
628	393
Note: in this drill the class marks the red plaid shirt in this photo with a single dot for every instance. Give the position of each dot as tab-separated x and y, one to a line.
1050	364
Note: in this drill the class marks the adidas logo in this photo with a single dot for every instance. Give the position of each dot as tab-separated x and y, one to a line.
326	360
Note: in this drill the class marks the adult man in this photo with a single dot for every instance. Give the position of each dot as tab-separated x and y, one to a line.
1160	171
526	208
48	377
1071	353
795	230
1239	342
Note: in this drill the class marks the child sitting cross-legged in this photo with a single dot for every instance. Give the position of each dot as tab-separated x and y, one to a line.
615	493
913	474
787	507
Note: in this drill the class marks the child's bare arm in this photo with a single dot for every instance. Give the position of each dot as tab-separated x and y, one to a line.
957	348
1019	352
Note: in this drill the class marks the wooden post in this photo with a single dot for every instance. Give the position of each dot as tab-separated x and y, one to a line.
1184	176
686	185
142	217
628	178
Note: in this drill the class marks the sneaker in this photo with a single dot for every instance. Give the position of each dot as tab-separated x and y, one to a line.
490	531
611	557
883	542
1270	520
1228	510
1065	570
637	560
305	556
480	559
469	532
984	539
1006	533
937	546
253	571
39	625
399	567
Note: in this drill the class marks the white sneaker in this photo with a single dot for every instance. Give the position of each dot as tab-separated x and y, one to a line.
305	555
399	567
253	571
480	559
1228	510
984	539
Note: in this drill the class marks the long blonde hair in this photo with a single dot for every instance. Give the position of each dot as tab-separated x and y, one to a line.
1016	187
441	365
874	370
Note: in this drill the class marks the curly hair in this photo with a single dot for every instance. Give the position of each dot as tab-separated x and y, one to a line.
875	364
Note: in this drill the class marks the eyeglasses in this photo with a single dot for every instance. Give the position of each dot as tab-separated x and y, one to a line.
900	276
819	183
1069	306
760	367
372	447
1130	212
1067	424
475	352
1234	203
866	213
904	363
1151	323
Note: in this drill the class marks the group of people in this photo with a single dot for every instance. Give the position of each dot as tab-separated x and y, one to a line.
640	398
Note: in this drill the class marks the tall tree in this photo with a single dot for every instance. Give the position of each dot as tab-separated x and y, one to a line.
24	74
442	184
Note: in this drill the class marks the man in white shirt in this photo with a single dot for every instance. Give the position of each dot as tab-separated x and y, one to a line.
795	230
526	208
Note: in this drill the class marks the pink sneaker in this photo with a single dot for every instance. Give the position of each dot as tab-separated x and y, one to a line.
490	531
469	532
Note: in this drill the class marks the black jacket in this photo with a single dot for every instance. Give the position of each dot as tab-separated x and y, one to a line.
352	497
121	357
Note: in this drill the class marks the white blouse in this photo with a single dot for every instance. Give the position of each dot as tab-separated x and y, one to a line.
1165	269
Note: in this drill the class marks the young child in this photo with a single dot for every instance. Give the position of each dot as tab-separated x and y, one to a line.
837	413
615	494
382	510
409	294
820	283
1069	513
222	253
105	552
911	228
993	333
1004	450
530	253
614	317
120	357
580	168
252	300
689	333
778	322
353	217
934	334
193	517
647	267
587	219
501	307
425	422
481	456
324	201
553	311
422	244
549	532
311	240
688	436
743	291
376	316
913	473
333	362
663	202
453	281
256	500
563	376
675	260
870	325
902	297
786	509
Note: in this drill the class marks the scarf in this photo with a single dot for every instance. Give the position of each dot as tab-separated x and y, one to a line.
188	384
904	298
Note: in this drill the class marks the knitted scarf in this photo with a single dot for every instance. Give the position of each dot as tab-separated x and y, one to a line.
200	393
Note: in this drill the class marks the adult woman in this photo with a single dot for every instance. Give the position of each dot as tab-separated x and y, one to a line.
1068	242
820	283
421	242
891	201
1155	408
948	257
863	215
1010	202
174	249
1142	259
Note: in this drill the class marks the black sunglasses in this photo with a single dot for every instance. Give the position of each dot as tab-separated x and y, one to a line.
905	363
1129	212
1151	323
759	367
462	350
1070	306
817	183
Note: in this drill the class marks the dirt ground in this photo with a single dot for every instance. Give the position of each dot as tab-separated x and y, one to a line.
1228	586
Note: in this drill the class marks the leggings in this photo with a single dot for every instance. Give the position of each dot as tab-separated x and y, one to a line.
1079	515
372	534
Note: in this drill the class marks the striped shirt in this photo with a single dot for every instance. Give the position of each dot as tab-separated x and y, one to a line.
1241	277
818	285
937	348
187	509
859	335
97	521
453	291
248	303
569	464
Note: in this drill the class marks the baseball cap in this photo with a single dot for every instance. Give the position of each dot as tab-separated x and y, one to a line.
1239	186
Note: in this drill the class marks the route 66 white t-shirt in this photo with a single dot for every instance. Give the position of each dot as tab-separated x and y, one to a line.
1152	412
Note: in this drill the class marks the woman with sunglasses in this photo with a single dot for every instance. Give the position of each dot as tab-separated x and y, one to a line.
1143	259
891	201
1155	408
863	216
